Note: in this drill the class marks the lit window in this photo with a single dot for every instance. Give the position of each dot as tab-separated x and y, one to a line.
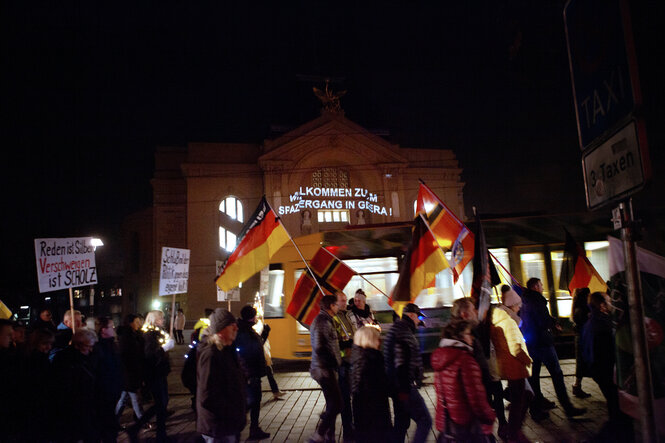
231	207
333	216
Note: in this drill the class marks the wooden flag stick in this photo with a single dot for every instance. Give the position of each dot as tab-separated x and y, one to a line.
172	316
316	280
71	311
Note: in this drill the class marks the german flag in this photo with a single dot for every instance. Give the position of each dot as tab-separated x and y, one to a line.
259	240
332	275
423	261
451	234
577	271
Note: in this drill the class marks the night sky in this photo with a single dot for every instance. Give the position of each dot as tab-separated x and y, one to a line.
90	89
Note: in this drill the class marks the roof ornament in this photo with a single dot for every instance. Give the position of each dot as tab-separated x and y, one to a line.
329	99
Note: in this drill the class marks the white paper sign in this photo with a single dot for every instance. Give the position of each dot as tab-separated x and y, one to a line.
174	271
65	263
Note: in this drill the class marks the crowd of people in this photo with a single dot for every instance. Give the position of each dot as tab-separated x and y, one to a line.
72	383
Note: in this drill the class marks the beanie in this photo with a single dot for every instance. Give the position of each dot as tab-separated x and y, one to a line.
510	298
247	312
220	319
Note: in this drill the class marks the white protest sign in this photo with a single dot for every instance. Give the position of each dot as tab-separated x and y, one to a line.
65	263
174	271
233	294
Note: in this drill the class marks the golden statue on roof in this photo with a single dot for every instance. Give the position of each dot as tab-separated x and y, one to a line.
329	99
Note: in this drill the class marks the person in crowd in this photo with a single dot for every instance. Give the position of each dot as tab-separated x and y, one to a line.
344	330
220	393
63	335
404	369
580	316
359	312
201	325
10	369
276	393
44	321
37	371
132	356
109	379
156	368
513	360
74	381
537	328
465	309
326	359
599	354
252	360
463	413
179	325
369	388
19	338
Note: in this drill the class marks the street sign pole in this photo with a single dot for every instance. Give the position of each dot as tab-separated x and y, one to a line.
637	329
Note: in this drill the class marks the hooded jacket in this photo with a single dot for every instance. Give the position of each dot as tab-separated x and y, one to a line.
457	379
512	357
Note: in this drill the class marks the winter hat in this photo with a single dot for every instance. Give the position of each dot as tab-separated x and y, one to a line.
220	319
247	312
510	298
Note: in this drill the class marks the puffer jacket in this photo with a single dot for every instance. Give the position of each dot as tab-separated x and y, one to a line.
250	350
401	352
537	323
325	347
457	380
512	357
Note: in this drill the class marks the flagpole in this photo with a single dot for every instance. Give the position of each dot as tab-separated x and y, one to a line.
369	282
316	280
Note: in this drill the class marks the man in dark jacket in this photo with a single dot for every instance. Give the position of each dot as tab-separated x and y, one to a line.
220	394
404	364
253	362
537	326
131	345
326	359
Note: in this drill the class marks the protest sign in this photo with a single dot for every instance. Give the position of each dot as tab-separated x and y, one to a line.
174	271
65	263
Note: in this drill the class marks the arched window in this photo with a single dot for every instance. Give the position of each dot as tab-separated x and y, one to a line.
232	208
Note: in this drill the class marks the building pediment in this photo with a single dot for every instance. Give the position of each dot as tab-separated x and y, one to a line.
329	136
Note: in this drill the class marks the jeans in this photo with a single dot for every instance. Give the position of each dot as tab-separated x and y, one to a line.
345	388
159	389
136	405
414	408
271	380
547	355
333	396
254	401
519	402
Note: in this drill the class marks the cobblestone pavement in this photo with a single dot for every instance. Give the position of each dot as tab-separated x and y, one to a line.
294	417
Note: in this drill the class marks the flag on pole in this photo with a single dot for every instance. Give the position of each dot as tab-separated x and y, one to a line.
485	276
424	260
258	241
332	275
5	312
451	234
577	271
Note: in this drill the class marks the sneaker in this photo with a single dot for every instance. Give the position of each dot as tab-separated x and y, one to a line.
572	411
258	434
545	404
539	415
279	394
579	393
316	438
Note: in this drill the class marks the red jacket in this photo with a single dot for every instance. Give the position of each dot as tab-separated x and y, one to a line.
458	380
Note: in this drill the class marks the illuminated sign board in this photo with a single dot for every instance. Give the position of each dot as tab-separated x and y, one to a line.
310	197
